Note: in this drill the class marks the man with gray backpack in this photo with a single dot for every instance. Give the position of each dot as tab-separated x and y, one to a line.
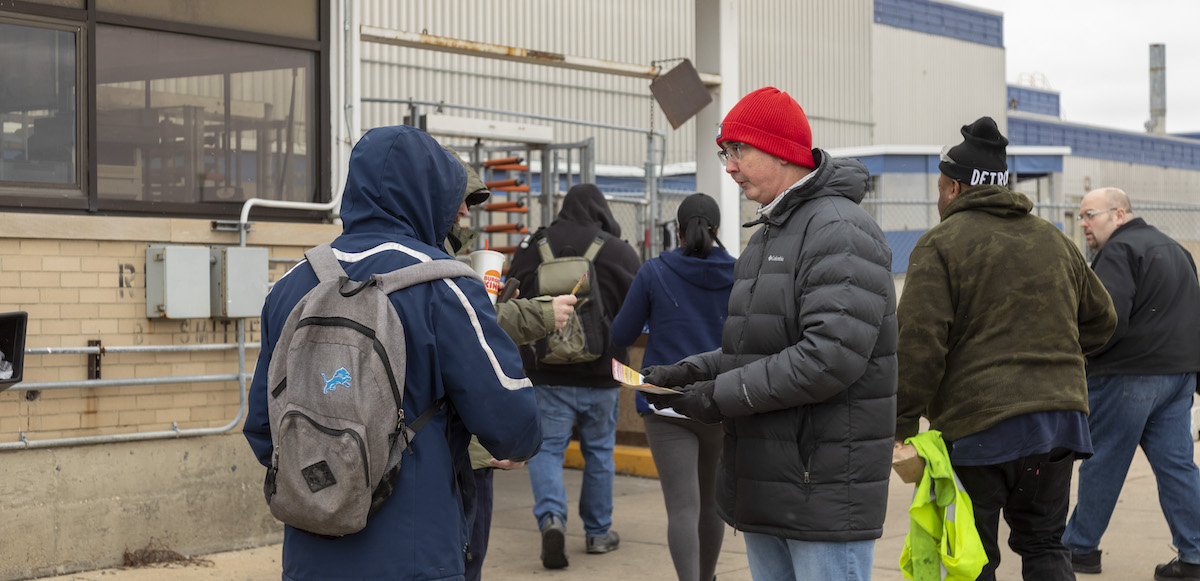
581	253
380	357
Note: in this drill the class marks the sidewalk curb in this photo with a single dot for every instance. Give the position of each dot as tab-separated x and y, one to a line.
631	460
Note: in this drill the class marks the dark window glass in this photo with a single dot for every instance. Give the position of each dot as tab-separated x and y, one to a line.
185	119
38	130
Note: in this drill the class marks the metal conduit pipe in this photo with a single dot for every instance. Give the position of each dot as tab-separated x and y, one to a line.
174	432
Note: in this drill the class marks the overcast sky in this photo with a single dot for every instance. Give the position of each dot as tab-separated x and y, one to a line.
1096	54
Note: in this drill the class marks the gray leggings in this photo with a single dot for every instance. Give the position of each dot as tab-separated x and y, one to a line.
686	453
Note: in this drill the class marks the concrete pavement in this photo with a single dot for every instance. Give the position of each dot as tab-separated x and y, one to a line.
1136	540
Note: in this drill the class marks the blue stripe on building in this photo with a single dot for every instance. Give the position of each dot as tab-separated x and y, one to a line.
1105	144
1033	101
943	20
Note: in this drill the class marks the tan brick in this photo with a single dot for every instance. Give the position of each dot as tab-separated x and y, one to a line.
40	279
40	312
11	263
16	296
98	295
34	246
136	418
54	422
78	311
98	327
79	247
9	246
61	327
120	249
189	400
106	264
116	403
172	415
59	295
80	279
153	370
153	402
60	263
99	419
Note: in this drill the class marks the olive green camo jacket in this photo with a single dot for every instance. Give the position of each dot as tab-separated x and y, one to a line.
998	309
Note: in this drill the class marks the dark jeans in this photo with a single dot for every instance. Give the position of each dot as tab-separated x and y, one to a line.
483	522
1034	493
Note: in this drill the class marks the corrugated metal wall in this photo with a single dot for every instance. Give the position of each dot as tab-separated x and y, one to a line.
620	30
928	86
1145	184
820	53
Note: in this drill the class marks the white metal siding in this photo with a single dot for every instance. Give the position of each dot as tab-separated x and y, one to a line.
928	86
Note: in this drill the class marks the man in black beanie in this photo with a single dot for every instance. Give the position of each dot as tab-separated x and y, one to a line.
999	308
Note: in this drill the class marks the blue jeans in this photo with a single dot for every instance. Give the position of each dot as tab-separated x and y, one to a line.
778	559
1155	412
595	411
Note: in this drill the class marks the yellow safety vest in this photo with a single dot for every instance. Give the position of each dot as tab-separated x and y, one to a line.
942	542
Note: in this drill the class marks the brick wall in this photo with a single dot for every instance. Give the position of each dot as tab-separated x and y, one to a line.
82	278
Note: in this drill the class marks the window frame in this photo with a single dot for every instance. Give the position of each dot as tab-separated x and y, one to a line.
85	197
57	195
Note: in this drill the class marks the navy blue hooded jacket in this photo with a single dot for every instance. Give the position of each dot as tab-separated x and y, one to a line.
685	299
401	197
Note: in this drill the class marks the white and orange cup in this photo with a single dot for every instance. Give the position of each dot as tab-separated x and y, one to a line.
488	264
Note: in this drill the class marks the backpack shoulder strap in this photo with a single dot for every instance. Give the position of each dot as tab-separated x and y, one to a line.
595	247
324	263
423	272
543	245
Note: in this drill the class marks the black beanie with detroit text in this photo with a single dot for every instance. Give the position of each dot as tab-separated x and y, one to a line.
981	158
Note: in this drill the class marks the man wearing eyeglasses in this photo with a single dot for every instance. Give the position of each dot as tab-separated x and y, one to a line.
999	307
1140	384
805	379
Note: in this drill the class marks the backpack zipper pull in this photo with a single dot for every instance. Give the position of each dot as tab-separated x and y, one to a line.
400	418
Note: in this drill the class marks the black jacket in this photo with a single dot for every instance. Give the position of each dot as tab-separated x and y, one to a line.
1152	281
583	216
807	367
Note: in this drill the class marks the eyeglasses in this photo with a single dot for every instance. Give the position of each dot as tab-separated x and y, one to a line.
734	150
1090	215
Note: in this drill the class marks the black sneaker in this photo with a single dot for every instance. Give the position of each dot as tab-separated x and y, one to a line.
1086	562
1177	570
605	544
554	536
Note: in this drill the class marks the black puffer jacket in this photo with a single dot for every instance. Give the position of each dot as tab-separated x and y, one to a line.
808	367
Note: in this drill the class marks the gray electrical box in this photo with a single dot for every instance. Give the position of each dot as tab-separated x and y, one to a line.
239	281
177	282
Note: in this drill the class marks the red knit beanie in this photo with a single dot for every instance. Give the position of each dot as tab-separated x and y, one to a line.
772	121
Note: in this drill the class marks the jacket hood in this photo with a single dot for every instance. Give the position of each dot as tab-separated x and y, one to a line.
585	205
995	200
402	182
840	176
710	273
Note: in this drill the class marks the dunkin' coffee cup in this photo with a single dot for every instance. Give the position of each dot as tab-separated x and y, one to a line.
488	264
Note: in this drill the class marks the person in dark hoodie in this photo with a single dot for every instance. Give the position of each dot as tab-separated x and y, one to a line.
805	380
999	308
402	195
684	297
580	393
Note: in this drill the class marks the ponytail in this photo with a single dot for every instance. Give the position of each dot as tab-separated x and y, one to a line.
697	236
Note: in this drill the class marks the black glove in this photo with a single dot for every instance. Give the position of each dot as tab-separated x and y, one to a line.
697	402
671	375
659	400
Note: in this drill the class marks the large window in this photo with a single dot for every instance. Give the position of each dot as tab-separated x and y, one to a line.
161	106
185	119
39	135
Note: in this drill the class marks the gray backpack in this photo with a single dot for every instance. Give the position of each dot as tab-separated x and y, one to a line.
336	380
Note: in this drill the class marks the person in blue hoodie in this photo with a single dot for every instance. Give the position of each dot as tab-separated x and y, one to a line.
684	295
403	193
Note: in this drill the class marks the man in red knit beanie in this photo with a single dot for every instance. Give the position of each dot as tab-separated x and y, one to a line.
805	379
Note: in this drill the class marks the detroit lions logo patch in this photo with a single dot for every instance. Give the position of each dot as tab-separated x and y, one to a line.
341	377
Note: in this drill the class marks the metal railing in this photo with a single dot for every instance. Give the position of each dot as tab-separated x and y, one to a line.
175	432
